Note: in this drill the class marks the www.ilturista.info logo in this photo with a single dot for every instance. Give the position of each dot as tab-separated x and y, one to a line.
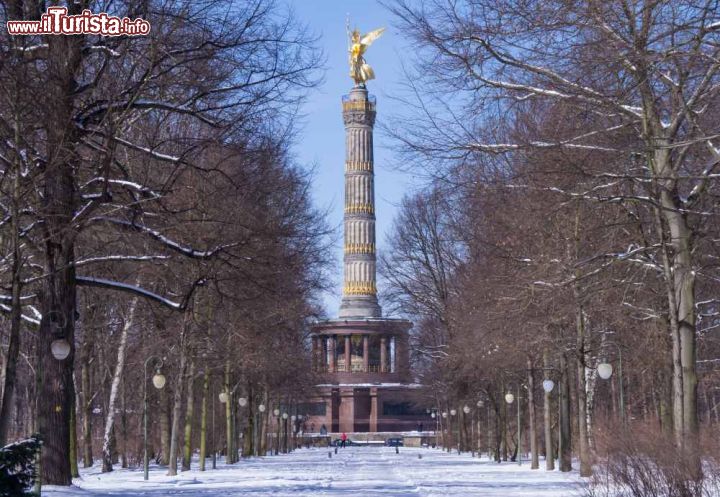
56	21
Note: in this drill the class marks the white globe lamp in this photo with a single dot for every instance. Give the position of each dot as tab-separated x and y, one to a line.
158	380
60	349
605	370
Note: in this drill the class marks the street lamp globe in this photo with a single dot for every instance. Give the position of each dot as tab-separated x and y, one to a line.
242	401
444	414
433	415
223	397
293	418
509	398
466	410
480	403
548	385
284	415
276	412
261	408
60	349
605	370
453	412
158	380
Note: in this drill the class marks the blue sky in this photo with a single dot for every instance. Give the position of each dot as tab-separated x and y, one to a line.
322	141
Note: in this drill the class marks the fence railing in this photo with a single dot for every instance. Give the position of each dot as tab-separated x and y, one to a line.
355	368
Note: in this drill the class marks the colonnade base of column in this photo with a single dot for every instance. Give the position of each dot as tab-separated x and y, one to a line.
361	350
377	353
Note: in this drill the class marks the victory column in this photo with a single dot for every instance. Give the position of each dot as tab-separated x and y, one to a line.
362	358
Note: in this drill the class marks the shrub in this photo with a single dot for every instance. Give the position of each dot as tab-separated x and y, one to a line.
17	467
644	462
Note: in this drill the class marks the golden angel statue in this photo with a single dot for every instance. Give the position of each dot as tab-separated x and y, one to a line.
360	71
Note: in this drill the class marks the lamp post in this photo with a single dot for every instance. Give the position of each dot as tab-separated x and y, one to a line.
444	430
605	371
293	430
158	382
510	398
261	410
212	437
433	415
479	405
466	411
285	432
243	402
276	413
548	386
224	398
453	412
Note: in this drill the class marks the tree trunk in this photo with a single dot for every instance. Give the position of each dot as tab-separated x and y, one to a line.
581	361
10	369
684	290
187	453
115	387
164	426
264	423
237	424
497	436
74	471
677	371
229	437
123	427
547	418
581	397
249	442
565	447
177	403
203	418
86	399
58	293
666	421
534	459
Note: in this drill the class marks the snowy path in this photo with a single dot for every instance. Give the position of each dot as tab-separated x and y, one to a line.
355	471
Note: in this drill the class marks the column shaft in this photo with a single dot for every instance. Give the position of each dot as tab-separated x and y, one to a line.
331	354
366	353
314	355
383	355
348	369
373	410
359	288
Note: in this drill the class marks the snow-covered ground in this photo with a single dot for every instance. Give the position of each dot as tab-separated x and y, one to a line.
354	471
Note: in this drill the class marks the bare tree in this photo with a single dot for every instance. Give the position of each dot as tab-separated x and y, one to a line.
118	121
641	78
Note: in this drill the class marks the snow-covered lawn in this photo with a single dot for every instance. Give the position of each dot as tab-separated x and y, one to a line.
354	471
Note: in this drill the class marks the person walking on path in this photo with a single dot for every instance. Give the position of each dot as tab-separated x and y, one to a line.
343	440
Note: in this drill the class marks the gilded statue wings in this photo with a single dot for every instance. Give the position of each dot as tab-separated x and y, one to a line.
371	37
